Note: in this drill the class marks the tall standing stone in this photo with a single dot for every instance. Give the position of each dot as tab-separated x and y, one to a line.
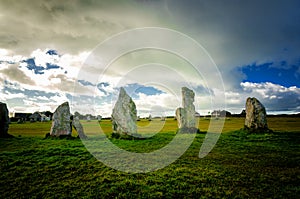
4	121
186	116
256	118
78	127
61	121
124	115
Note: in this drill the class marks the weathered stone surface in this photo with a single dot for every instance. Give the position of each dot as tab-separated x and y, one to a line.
78	127
256	118
186	115
4	121
180	116
61	121
124	115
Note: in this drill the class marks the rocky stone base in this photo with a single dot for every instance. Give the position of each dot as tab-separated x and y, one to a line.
256	130
127	136
188	130
67	137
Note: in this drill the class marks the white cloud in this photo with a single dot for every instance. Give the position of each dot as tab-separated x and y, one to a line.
41	57
7	95
157	105
275	97
268	89
59	79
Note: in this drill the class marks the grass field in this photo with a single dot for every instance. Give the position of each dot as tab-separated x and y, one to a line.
239	166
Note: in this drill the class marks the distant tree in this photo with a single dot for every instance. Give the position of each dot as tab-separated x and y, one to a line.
215	113
219	113
48	113
225	113
243	113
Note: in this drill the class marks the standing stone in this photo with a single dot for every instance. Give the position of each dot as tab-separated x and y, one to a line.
61	121
256	118
180	116
124	115
78	127
186	116
150	118
4	121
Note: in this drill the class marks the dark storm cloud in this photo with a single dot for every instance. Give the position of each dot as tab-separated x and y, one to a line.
13	73
234	32
69	26
239	32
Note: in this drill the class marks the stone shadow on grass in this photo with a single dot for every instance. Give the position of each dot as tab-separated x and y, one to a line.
248	130
186	130
135	136
67	137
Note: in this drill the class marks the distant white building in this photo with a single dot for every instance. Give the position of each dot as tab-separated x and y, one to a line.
88	118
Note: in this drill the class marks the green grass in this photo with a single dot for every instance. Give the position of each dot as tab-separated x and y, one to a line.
239	166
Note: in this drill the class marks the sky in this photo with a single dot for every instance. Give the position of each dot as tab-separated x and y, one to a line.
83	51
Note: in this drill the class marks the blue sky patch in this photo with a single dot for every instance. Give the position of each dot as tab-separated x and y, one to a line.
134	89
286	76
85	83
201	90
148	90
103	84
52	52
101	87
51	66
32	66
28	93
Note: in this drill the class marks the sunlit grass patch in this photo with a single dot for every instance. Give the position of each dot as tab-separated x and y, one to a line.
239	166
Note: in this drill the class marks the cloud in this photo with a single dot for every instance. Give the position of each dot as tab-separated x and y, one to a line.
32	66
268	72
13	73
21	99
231	32
157	105
44	71
45	43
69	26
52	52
85	83
275	97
